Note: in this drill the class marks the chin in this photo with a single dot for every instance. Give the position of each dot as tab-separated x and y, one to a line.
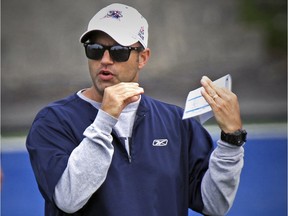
100	88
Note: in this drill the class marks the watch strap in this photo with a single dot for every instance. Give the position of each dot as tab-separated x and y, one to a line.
237	138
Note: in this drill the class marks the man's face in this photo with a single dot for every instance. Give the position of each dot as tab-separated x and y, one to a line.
106	72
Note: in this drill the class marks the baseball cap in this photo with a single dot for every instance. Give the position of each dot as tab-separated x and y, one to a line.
121	22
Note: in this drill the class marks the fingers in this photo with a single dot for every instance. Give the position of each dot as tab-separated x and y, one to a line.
126	90
210	92
210	87
224	104
214	93
117	97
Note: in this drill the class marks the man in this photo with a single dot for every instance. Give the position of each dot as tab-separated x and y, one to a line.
111	150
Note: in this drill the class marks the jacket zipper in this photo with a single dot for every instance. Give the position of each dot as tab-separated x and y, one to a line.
127	147
127	144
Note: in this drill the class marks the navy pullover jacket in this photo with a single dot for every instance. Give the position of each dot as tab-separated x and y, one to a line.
159	180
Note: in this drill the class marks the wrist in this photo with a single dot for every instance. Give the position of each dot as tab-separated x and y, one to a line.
237	138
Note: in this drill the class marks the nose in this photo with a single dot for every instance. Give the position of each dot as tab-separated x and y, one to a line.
106	59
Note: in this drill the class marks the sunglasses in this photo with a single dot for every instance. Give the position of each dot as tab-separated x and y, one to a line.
118	53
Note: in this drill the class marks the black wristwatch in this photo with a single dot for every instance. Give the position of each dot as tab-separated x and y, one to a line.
237	138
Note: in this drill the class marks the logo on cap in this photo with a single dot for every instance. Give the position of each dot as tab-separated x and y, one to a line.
141	33
116	14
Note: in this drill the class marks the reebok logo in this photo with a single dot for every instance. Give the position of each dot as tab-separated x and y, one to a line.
160	142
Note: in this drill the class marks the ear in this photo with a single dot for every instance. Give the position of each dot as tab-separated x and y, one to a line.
143	58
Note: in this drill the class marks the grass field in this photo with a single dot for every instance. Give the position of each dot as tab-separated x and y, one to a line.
262	191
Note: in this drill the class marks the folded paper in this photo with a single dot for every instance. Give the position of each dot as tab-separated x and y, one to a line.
196	105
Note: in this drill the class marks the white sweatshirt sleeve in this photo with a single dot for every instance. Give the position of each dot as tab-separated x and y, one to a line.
87	166
220	182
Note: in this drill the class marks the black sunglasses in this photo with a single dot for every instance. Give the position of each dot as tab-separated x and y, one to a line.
118	53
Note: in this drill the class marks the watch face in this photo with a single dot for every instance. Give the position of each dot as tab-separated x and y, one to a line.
240	141
237	133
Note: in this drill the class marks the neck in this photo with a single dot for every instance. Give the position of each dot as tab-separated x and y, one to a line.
92	94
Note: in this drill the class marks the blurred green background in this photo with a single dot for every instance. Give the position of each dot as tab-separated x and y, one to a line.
42	59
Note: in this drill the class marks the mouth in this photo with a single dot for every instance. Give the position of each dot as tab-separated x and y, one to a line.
106	75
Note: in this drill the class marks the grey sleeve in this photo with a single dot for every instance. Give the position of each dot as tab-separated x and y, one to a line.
87	165
220	182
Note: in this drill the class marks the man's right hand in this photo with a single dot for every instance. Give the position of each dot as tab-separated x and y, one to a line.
118	96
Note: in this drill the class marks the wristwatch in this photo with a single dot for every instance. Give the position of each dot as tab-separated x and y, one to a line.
237	138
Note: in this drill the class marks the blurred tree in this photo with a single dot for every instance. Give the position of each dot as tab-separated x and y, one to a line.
271	17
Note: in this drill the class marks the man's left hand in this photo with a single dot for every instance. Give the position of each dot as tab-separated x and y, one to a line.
224	104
